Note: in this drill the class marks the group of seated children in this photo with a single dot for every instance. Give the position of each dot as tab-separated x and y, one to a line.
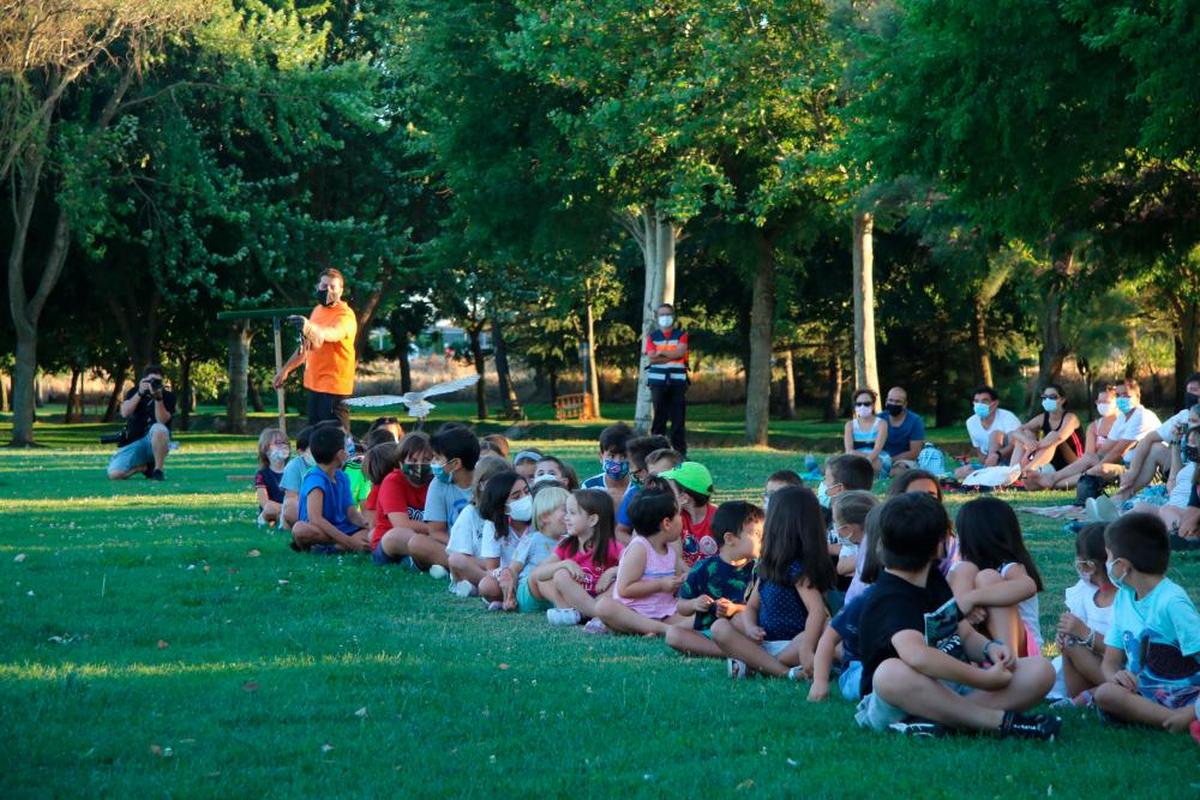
930	627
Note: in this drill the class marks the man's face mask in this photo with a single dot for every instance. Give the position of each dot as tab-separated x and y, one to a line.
328	294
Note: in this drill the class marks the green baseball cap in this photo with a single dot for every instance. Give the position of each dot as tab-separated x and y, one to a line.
693	476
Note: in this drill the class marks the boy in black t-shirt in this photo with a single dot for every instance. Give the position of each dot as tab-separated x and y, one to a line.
918	649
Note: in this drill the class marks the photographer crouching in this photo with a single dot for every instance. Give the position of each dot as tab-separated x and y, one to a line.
147	409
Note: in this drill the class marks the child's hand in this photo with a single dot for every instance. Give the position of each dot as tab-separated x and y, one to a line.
606	580
1001	654
672	584
702	603
726	608
996	677
361	541
574	570
756	633
1072	625
1126	680
819	691
509	603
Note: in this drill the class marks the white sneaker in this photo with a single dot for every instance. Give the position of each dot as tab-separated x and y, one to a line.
796	674
438	572
563	616
463	589
262	521
596	626
737	668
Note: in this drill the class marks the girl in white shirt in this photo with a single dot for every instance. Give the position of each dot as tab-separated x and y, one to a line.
1081	628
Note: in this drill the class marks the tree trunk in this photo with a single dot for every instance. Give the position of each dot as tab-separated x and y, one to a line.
762	325
239	369
833	400
1187	348
74	414
593	376
481	409
866	372
789	385
256	401
3	393
117	375
187	398
400	337
1054	351
656	236
508	392
552	374
983	359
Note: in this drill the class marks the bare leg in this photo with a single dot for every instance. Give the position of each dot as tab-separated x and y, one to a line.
489	588
922	696
572	595
544	590
693	643
1081	669
466	568
305	535
1003	622
622	619
395	542
1134	480
291	509
1033	678
737	645
160	440
1131	707
427	551
1068	476
271	511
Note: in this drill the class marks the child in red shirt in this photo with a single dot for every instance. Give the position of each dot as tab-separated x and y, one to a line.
693	487
402	475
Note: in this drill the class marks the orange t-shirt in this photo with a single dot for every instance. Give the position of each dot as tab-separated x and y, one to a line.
330	367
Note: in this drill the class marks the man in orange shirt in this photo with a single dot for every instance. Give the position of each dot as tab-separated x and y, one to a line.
327	352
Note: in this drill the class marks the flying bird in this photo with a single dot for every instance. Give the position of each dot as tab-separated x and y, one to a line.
416	403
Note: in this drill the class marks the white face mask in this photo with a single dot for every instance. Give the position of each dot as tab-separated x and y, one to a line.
1104	408
278	454
665	320
864	412
521	510
1118	582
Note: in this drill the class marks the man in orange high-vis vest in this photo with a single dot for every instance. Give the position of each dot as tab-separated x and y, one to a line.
327	353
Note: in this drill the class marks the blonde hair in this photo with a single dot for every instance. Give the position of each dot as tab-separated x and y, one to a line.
547	500
485	469
265	438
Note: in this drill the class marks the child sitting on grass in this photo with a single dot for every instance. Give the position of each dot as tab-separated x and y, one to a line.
693	485
917	649
716	588
273	453
651	569
555	471
328	520
1152	658
778	480
996	573
521	591
400	501
455	453
777	634
465	548
839	651
293	478
1082	627
614	463
637	451
506	505
850	511
584	565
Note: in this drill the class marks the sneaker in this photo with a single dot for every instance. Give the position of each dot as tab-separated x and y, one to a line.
155	474
408	564
438	572
919	729
737	668
494	605
796	674
563	616
463	589
1030	726
261	521
596	627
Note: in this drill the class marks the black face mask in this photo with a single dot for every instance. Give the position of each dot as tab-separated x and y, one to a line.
323	297
418	473
895	409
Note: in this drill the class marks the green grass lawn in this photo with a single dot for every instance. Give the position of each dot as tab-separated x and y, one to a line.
155	642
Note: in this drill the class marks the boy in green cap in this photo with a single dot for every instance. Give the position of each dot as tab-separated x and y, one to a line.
693	487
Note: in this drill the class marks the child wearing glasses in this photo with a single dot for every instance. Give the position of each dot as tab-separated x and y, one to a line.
1083	626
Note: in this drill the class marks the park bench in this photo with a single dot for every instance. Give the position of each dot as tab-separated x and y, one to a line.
573	406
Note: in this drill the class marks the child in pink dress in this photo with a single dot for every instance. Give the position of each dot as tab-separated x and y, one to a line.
651	569
584	565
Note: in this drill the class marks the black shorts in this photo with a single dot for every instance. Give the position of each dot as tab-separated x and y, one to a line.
324	406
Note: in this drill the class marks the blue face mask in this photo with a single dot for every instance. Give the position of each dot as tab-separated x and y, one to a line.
440	473
1049	405
1124	404
823	495
1118	582
981	409
615	469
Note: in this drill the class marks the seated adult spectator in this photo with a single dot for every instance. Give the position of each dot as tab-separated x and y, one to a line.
906	430
989	428
866	434
1051	437
1152	454
1135	423
1095	441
